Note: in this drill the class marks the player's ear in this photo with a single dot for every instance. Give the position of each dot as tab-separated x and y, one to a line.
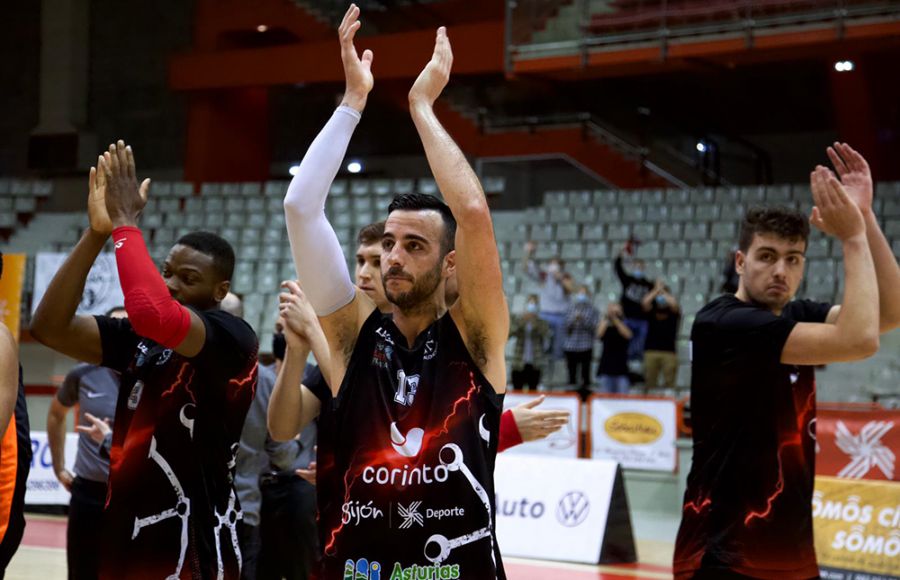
221	290
449	266
739	261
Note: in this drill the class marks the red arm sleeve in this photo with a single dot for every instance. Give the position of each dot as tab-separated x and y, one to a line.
509	432
152	311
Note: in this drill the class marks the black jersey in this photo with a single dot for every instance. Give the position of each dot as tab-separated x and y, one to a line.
406	460
748	502
171	509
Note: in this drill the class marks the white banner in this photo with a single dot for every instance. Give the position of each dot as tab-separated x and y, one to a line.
560	515
42	487
563	443
102	292
637	433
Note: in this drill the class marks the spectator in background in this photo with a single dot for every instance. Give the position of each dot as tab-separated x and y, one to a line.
531	334
635	286
660	354
556	285
278	538
581	324
95	390
730	277
615	336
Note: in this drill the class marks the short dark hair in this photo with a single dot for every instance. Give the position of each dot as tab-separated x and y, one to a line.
781	221
421	201
213	246
370	234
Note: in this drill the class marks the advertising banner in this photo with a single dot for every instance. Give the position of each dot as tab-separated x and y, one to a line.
858	444
565	442
857	528
11	283
42	487
637	433
576	511
102	292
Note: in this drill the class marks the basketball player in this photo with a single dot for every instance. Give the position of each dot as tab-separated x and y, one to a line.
417	397
188	376
747	510
15	446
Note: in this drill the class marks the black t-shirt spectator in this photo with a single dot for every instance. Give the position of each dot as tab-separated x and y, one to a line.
614	358
749	492
662	329
171	506
633	291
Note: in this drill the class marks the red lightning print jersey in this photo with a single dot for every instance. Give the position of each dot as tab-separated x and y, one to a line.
748	503
171	508
406	461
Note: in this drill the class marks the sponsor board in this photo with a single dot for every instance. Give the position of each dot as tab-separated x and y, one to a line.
858	444
635	432
857	528
563	443
563	516
102	291
42	487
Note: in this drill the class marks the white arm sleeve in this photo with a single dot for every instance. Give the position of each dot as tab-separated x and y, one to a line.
318	258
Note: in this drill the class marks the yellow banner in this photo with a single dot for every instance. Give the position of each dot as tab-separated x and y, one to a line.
11	283
857	525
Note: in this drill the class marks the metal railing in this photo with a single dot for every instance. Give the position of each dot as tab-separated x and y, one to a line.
539	28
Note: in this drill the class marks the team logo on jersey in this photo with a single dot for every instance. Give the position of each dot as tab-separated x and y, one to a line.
135	396
430	349
143	353
410	515
406	388
866	450
362	569
409	445
164	357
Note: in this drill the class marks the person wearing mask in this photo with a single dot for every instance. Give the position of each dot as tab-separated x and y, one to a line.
556	285
634	286
581	323
660	354
95	390
531	334
615	335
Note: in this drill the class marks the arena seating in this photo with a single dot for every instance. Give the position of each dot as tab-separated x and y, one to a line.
685	235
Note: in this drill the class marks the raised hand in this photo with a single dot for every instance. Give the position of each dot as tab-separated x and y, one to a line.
835	213
855	175
436	74
297	315
97	214
534	424
357	71
125	199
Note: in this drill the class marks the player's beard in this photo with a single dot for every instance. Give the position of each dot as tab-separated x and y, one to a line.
419	295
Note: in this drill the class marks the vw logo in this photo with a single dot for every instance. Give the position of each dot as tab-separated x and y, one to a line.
573	509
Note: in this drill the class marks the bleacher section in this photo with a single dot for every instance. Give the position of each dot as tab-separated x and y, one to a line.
685	235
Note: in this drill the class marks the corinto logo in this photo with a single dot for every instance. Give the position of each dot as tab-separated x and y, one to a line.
633	428
410	445
573	509
355	512
362	569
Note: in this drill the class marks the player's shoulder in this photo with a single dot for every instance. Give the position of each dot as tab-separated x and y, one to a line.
729	312
806	311
230	324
